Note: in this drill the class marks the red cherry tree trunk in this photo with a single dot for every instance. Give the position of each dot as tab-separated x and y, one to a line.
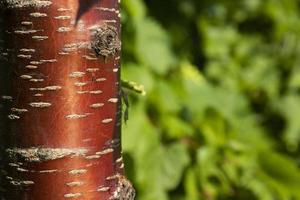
60	101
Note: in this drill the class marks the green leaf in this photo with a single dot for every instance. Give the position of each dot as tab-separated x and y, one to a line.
191	185
152	47
135	8
175	127
165	97
290	108
175	160
280	173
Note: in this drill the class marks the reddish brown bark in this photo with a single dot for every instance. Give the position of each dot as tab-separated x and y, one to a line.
60	106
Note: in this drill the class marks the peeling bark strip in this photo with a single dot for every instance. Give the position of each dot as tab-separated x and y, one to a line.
60	101
42	154
24	3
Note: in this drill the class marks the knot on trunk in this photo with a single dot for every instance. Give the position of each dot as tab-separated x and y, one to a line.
124	190
105	41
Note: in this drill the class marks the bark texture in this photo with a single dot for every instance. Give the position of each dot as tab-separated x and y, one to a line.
60	101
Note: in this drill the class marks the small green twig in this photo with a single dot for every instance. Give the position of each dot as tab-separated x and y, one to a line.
133	86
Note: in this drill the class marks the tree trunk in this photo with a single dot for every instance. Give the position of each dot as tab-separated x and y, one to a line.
60	101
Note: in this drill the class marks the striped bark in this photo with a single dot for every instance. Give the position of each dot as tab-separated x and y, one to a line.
60	103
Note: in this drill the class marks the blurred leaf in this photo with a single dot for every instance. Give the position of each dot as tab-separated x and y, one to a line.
222	82
175	160
135	8
290	108
165	97
191	186
152	47
280	173
175	127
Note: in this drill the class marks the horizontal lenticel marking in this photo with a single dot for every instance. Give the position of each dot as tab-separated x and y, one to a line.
77	171
74	184
77	74
73	195
97	105
40	37
63	17
77	116
37	14
40	104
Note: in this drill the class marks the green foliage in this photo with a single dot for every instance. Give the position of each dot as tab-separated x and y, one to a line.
220	117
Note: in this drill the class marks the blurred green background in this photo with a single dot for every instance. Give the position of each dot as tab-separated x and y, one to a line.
221	118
